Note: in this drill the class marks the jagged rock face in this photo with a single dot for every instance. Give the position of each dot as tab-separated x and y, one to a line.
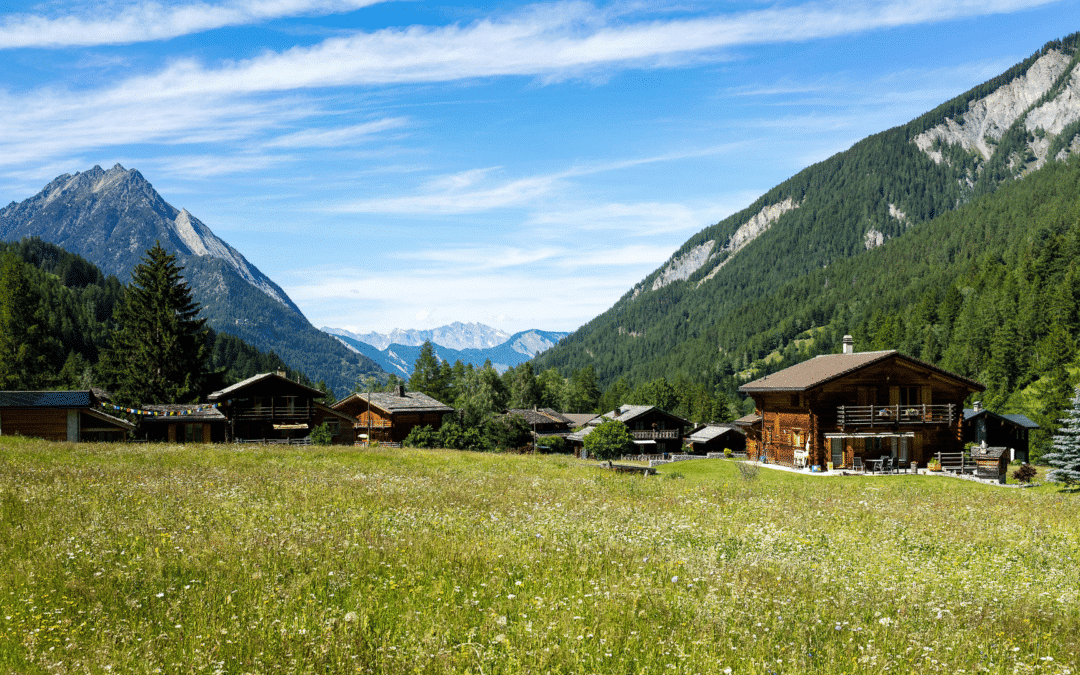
456	335
112	217
981	128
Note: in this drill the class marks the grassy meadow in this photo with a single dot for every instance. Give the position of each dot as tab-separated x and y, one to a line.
222	559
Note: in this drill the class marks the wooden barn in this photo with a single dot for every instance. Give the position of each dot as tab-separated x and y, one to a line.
270	407
59	416
857	406
716	438
543	421
989	428
183	423
388	417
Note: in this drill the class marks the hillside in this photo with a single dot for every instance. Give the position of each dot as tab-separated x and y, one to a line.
751	285
112	217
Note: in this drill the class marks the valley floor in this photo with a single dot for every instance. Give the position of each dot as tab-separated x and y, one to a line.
218	559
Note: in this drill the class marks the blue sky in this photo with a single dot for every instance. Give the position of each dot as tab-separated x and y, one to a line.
409	164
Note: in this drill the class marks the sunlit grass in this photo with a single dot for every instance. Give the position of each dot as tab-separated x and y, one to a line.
153	558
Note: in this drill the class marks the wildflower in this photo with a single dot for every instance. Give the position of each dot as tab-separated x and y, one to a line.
675	580
351	617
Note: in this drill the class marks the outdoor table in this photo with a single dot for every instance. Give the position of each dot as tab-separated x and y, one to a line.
874	465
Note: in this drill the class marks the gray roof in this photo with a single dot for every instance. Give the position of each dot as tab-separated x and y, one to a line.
626	413
988	453
539	416
412	401
1015	418
712	431
748	420
578	419
46	399
821	369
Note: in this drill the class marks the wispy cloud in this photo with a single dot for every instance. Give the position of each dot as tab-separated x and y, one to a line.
150	21
335	137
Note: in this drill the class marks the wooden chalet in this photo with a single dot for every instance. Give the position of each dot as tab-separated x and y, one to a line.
60	416
991	462
179	423
543	421
270	407
988	428
716	438
856	405
388	417
655	431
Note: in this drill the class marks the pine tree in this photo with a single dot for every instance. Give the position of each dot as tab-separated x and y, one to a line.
23	362
427	374
1066	455
159	351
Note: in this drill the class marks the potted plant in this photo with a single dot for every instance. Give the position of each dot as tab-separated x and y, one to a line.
934	464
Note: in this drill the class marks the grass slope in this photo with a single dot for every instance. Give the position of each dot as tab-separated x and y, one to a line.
150	558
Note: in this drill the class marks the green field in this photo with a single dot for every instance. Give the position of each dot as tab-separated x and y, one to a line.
222	559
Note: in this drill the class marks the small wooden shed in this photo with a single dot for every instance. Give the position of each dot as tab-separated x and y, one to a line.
991	462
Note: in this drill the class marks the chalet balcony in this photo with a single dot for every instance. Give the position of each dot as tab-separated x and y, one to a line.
655	435
891	416
268	414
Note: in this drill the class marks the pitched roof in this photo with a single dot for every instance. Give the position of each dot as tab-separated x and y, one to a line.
46	399
539	416
988	453
821	369
712	431
228	391
1014	418
412	401
747	420
627	413
578	419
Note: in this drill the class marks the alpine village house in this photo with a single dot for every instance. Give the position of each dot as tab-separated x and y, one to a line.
850	408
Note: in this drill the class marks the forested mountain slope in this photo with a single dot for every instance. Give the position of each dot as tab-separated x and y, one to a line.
74	308
112	217
799	256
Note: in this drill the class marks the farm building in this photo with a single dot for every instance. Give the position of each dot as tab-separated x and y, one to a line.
388	417
178	423
716	438
848	408
989	428
59	416
271	407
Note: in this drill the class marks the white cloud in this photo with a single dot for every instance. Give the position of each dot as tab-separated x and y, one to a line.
150	21
335	136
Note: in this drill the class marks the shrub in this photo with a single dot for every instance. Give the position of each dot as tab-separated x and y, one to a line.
321	435
1025	473
609	440
422	437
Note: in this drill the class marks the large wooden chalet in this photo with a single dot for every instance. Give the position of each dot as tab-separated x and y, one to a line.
388	417
59	416
856	405
271	407
655	431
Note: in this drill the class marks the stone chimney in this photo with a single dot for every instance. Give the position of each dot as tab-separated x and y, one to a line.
400	391
849	344
977	405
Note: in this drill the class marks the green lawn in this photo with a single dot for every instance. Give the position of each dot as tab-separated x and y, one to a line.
217	559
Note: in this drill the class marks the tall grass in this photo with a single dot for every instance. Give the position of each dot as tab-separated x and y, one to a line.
218	559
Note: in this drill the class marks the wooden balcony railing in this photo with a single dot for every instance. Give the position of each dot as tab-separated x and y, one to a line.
655	434
895	415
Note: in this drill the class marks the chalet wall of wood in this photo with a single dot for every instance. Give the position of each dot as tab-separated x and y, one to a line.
859	404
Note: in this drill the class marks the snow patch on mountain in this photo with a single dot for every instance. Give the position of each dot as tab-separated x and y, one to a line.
987	119
456	335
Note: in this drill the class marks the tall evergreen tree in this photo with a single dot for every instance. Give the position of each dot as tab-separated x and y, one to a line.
23	361
427	375
1066	454
159	350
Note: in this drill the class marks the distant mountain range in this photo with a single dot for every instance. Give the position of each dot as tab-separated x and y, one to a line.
400	358
112	217
456	335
